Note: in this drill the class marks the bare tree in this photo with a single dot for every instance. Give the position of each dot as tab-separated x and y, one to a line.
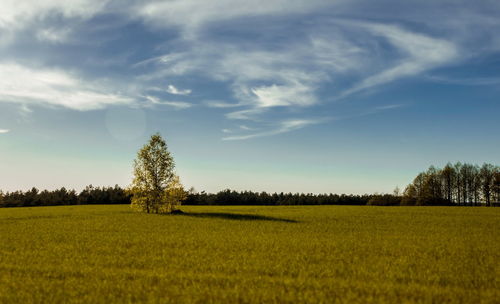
458	182
496	184
448	176
487	174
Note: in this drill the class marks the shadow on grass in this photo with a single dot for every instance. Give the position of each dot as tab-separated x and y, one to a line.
238	217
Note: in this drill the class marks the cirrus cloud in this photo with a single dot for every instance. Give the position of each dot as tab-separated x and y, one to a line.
283	57
53	87
175	91
282	127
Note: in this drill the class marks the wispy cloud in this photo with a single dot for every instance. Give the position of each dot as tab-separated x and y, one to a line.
261	79
221	104
3	131
25	85
476	81
190	15
247	128
180	105
420	52
289	125
53	35
285	95
175	91
282	127
389	106
18	14
290	76
260	72
248	114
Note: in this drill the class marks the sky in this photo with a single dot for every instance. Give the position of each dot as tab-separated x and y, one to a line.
313	96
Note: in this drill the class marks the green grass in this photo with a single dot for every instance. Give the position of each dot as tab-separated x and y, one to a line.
103	254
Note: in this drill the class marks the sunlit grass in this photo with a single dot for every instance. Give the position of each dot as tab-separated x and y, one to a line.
250	254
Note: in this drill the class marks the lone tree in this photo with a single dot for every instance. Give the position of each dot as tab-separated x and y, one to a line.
155	188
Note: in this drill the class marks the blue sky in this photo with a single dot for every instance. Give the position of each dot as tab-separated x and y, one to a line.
276	95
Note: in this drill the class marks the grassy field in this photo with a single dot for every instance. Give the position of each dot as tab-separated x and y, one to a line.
102	254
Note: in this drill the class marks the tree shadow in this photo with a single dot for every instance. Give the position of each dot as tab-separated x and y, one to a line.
238	217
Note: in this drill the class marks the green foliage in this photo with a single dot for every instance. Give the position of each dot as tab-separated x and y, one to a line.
103	195
461	184
155	188
117	195
89	195
331	254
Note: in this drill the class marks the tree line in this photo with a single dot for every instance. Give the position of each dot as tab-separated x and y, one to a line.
455	184
118	195
89	195
231	197
459	184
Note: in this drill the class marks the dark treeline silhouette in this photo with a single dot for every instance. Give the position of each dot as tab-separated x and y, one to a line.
117	195
455	184
228	197
385	200
90	195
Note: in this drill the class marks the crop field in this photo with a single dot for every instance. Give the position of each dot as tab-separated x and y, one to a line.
103	254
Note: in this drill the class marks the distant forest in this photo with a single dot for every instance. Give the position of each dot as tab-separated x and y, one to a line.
455	184
118	195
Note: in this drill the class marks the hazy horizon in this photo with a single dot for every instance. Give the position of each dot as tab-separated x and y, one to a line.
278	96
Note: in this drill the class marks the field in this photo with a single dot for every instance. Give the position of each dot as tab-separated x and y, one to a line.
103	254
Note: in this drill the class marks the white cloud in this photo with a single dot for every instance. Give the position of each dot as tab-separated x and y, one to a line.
17	14
335	52
246	128
220	104
25	109
3	131
244	114
173	90
285	77
289	75
282	127
180	105
421	53
53	35
389	107
25	113
276	73
476	81
273	96
191	14
239	129
25	85
164	59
